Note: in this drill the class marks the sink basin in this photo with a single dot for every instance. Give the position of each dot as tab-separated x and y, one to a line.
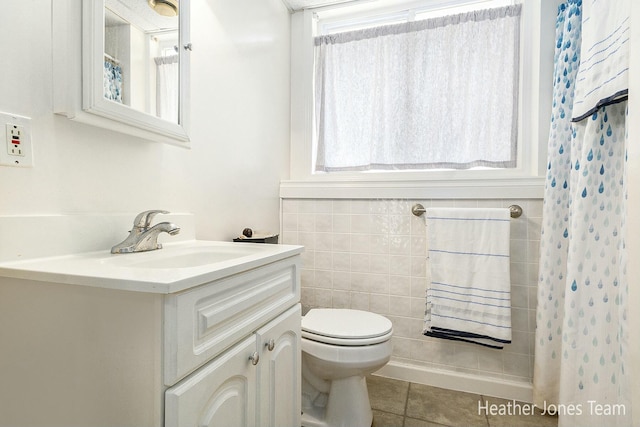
188	260
174	268
185	257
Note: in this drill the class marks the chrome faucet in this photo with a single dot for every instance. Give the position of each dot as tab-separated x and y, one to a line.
142	237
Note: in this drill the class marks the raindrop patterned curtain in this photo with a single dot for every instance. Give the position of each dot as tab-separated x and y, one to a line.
581	335
112	80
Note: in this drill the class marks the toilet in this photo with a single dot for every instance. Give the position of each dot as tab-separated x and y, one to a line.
339	348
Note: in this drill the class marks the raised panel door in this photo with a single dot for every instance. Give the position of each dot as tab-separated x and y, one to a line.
280	370
221	393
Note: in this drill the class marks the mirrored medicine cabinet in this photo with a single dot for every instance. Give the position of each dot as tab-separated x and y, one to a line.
124	65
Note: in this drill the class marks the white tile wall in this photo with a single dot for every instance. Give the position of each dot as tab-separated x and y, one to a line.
370	255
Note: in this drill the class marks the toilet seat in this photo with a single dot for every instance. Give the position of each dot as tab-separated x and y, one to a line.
345	327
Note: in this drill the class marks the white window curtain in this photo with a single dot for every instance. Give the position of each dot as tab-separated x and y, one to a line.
438	93
167	87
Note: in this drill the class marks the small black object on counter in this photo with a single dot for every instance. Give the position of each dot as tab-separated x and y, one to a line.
250	237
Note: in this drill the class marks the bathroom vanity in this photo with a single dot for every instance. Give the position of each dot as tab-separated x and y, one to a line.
198	333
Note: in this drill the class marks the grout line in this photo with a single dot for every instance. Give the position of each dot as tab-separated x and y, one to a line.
486	415
406	404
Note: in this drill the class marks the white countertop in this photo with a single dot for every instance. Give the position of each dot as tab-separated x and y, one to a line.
174	268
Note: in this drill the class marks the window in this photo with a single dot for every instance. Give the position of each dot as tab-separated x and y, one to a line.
533	106
430	94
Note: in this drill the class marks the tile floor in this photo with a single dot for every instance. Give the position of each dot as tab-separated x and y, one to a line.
402	404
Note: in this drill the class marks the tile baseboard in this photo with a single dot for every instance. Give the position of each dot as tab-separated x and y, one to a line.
486	386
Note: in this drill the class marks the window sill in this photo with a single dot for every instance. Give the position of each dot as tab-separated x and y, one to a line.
504	188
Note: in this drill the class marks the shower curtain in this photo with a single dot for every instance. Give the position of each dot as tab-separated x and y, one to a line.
112	80
581	334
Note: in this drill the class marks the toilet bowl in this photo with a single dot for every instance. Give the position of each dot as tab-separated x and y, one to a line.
339	348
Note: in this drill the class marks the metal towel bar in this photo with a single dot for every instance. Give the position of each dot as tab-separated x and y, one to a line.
514	210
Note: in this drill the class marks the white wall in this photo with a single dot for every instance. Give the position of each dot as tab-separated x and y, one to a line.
240	127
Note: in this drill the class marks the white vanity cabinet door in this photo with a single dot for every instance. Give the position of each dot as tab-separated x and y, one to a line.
231	391
221	393
280	370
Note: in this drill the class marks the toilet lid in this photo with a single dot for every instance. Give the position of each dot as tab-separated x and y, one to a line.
345	324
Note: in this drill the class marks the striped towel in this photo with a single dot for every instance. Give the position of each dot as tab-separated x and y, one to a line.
603	75
468	286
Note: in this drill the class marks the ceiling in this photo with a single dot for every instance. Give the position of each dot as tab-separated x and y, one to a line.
306	4
139	14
